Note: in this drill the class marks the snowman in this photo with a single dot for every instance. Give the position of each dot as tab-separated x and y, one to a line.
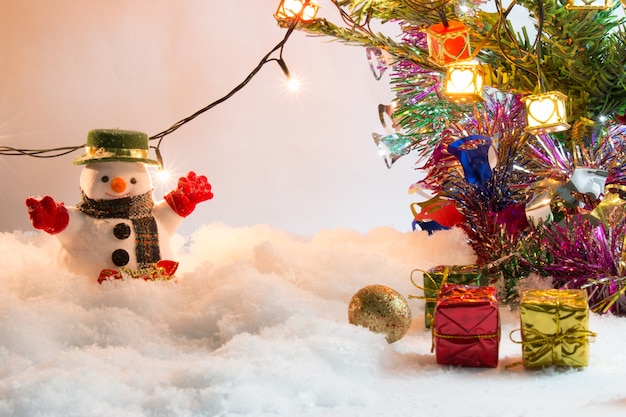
118	230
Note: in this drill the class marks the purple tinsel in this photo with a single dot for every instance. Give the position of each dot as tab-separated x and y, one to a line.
584	254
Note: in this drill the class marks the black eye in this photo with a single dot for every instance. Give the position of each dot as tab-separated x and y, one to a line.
133	180
105	179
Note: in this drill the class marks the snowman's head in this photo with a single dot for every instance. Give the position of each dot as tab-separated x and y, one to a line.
115	179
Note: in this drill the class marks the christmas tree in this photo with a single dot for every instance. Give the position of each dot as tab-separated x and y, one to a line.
521	131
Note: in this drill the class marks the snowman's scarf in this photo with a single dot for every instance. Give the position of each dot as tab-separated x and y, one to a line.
138	209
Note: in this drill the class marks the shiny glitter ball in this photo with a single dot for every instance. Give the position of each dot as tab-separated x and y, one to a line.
382	310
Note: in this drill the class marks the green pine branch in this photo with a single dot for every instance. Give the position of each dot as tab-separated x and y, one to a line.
579	53
362	11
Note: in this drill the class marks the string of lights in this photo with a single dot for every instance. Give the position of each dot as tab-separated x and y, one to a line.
61	151
38	153
267	58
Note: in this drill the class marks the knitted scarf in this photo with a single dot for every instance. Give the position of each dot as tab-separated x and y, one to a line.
138	209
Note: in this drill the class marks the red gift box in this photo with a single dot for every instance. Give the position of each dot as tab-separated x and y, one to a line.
466	326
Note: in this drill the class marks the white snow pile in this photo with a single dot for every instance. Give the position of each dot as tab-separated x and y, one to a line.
256	325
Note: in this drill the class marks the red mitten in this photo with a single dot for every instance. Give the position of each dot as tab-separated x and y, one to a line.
47	215
191	190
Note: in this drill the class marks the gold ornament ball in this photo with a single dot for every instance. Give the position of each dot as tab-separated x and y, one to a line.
382	310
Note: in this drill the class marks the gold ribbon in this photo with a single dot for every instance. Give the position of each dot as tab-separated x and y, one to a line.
469	336
436	288
451	336
551	340
95	152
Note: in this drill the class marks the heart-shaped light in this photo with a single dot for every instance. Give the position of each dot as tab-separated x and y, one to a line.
546	112
461	81
448	43
542	110
589	4
464	81
456	47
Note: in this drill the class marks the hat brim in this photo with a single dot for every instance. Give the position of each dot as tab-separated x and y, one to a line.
88	159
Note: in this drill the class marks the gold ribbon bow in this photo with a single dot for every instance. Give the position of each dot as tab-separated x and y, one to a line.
551	341
435	288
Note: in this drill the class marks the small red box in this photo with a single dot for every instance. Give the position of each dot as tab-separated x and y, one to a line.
466	326
449	43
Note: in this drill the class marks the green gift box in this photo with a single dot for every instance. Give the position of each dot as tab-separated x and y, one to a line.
439	275
554	328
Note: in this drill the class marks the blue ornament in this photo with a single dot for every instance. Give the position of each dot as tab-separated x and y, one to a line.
473	154
430	226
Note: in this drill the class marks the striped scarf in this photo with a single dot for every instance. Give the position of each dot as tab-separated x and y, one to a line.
138	209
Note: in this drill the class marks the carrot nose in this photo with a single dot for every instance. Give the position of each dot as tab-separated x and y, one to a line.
118	185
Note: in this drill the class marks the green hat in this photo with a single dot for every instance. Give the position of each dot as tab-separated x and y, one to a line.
105	145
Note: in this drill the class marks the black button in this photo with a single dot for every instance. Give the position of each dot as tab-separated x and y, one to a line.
120	257
121	231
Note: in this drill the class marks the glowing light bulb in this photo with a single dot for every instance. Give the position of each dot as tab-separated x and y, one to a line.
546	113
288	9
163	176
293	84
465	9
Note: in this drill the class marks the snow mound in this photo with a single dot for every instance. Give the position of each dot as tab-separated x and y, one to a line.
256	325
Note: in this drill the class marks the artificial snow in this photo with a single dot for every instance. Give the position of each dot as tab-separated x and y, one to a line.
256	324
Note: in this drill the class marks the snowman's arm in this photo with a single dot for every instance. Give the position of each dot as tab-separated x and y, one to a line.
47	215
75	227
168	218
191	190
